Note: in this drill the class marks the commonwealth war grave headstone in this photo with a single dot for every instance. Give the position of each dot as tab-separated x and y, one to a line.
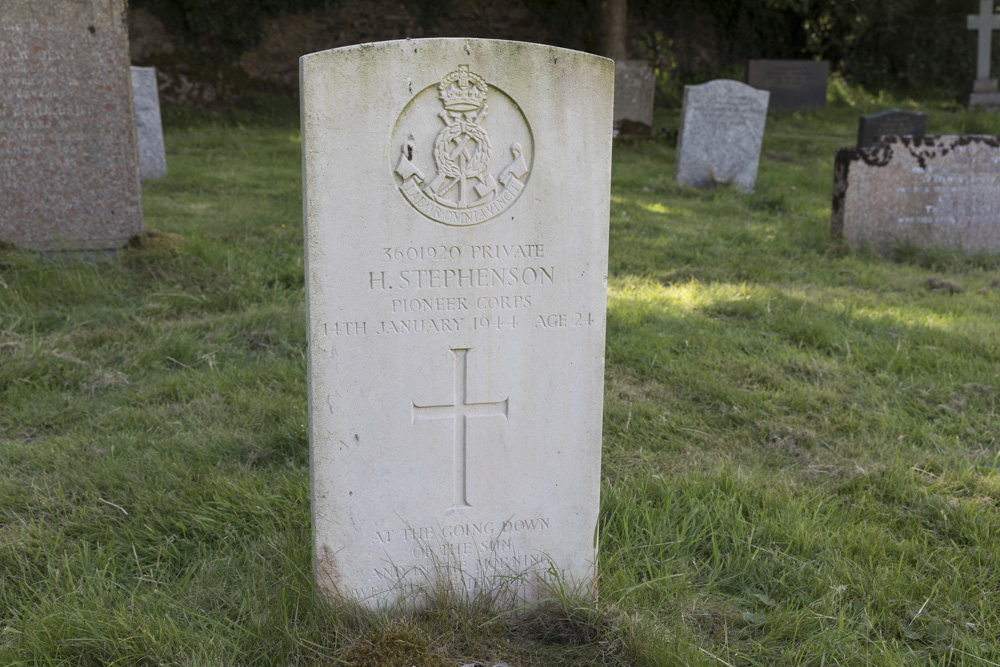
795	85
890	122
68	164
929	192
984	88
635	87
722	128
148	124
457	196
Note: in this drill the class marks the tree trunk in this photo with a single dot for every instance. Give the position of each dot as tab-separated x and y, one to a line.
608	27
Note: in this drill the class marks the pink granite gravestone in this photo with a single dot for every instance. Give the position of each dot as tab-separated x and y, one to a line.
69	173
927	192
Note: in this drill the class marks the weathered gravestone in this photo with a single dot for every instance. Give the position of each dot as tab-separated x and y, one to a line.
148	124
68	165
890	122
928	192
456	209
984	88
722	127
795	85
635	87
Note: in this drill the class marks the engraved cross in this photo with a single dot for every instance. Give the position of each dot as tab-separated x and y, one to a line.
459	410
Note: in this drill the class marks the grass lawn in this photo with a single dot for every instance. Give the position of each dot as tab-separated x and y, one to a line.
800	440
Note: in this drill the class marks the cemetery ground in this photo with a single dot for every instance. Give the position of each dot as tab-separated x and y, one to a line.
800	440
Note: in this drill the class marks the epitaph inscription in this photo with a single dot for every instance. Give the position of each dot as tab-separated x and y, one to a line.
456	247
68	164
930	192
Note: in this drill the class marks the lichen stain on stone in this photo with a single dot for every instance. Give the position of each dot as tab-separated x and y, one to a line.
327	571
841	169
929	147
879	155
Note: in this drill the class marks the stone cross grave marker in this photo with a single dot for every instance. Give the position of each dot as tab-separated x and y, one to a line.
457	197
984	88
722	128
890	122
68	164
148	124
795	85
929	192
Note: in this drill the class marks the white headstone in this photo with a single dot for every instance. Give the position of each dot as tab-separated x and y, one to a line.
456	209
722	128
148	124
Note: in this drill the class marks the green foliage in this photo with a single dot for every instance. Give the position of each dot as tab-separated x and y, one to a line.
567	21
222	29
904	45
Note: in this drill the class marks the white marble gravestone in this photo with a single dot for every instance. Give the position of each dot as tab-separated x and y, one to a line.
722	128
148	124
456	210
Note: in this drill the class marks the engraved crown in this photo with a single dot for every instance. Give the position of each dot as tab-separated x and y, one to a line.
462	90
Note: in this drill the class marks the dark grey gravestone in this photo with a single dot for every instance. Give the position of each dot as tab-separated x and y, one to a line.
795	85
635	85
929	192
722	127
148	124
891	121
69	169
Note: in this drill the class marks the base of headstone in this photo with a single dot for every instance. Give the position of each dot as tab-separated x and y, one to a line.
990	101
632	128
984	86
79	256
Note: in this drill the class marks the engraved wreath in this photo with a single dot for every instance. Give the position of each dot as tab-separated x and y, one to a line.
463	191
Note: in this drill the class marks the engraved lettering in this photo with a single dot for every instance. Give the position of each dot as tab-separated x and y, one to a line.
557	321
445	325
484	277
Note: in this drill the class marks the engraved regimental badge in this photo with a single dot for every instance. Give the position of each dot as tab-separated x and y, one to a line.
453	174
